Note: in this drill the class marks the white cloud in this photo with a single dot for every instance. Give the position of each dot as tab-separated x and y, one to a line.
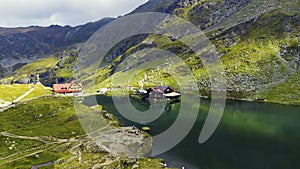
14	13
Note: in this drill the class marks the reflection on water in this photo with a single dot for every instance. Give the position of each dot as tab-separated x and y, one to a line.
250	136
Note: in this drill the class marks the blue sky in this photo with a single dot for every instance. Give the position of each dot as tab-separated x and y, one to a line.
16	13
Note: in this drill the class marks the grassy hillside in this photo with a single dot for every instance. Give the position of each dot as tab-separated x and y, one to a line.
10	93
257	56
48	129
46	119
217	14
287	92
38	66
53	69
25	45
264	56
38	91
258	42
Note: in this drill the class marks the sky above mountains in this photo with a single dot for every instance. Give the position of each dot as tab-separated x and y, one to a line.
22	13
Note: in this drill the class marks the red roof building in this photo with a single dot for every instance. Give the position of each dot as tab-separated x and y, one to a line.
72	87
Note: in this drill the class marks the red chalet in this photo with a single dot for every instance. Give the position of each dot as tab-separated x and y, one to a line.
72	87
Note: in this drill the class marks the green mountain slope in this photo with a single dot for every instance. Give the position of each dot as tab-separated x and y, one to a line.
217	14
259	52
57	68
258	42
25	45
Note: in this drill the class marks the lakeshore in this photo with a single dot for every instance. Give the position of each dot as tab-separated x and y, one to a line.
48	130
247	131
114	134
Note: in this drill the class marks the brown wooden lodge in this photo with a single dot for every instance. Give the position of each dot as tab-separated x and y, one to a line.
161	93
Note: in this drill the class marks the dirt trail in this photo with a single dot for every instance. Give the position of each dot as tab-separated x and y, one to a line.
8	105
49	144
24	155
23	137
24	95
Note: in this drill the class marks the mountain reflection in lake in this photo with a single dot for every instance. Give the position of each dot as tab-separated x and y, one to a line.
250	135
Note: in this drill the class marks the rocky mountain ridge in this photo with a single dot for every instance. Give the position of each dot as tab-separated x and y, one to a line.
25	45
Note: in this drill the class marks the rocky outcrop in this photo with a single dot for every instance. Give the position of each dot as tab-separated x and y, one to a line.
125	142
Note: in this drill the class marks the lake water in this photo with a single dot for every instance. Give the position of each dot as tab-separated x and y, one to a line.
250	136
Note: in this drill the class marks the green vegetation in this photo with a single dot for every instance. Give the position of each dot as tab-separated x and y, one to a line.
66	64
49	69
47	129
36	122
42	117
11	92
264	54
32	69
100	160
260	57
38	91
13	145
28	162
38	66
287	92
64	73
254	53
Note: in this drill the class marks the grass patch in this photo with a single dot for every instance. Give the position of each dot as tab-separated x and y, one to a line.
287	92
30	161
12	92
48	116
38	92
64	73
39	66
10	146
